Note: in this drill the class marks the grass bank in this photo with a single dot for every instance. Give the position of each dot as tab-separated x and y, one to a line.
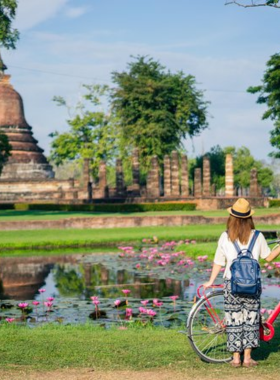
55	347
17	215
75	238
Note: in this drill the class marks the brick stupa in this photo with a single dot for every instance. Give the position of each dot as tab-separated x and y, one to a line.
27	160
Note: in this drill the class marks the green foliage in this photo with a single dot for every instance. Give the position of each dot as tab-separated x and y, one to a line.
5	150
269	94
8	35
217	164
91	134
156	109
274	203
243	162
114	208
255	3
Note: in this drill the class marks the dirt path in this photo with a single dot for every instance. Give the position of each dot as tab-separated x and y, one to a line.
89	374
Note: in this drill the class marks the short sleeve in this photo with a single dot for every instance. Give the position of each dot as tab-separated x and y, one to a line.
264	248
220	257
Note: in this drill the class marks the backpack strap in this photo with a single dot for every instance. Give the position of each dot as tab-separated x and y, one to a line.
251	245
236	246
253	241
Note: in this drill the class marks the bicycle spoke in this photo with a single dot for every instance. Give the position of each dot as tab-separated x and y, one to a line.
207	329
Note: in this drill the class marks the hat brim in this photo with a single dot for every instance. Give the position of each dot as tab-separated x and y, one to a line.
238	216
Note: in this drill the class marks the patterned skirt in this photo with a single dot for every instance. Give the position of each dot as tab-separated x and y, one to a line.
242	319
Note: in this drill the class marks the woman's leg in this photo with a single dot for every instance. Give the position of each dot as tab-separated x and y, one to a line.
233	321
251	311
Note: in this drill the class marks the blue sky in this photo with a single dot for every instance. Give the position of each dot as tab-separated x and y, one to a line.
65	43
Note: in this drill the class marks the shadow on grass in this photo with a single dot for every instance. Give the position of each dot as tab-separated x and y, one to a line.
270	347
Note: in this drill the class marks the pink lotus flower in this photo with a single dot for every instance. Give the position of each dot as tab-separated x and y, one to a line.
270	311
126	291
42	290
48	304
50	299
142	310
158	303
174	298
145	303
263	311
269	267
117	302
128	313
94	298
10	320
96	302
23	305
263	270
151	313
35	303
138	266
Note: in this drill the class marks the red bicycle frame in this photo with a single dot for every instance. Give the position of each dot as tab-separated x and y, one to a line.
267	325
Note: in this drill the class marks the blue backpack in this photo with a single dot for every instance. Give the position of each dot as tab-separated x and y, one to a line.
245	271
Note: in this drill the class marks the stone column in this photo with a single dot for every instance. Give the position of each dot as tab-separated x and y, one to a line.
254	188
153	178
135	167
175	185
167	176
86	179
197	183
184	177
119	178
86	176
102	176
229	190
206	177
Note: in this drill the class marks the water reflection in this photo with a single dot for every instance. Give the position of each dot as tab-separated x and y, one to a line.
65	276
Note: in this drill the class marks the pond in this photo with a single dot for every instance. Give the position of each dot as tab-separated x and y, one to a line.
148	272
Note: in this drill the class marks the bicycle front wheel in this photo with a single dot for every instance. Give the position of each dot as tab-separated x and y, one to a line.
206	329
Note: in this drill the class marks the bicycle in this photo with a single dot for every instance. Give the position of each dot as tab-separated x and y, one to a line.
206	330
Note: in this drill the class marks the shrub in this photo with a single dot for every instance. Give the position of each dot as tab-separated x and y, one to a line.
114	207
274	203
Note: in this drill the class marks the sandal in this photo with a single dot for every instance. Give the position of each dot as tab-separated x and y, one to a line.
251	363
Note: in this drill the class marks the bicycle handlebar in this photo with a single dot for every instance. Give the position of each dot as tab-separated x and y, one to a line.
274	242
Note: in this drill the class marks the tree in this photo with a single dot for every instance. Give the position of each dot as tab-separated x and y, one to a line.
156	109
256	3
8	35
270	95
5	150
243	162
217	164
91	134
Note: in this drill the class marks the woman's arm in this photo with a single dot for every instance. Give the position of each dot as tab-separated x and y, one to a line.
273	254
215	271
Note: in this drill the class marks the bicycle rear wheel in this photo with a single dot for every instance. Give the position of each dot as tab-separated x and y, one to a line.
206	329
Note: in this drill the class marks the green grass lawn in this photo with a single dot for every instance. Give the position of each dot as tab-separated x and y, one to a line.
13	215
54	347
36	239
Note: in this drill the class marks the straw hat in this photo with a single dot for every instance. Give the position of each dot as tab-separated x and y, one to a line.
241	209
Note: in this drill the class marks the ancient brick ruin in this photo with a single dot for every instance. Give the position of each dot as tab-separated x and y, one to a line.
28	177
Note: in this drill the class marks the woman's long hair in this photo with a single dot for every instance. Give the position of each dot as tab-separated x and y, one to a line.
240	228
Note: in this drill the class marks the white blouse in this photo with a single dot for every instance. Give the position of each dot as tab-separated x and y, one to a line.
226	251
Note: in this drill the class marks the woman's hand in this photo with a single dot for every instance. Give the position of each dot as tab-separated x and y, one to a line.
207	284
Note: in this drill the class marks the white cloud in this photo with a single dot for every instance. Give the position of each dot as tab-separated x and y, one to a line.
32	12
75	12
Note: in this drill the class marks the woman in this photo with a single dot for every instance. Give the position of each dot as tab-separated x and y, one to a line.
242	313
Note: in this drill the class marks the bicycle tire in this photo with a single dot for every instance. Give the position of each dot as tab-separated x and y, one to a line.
207	338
